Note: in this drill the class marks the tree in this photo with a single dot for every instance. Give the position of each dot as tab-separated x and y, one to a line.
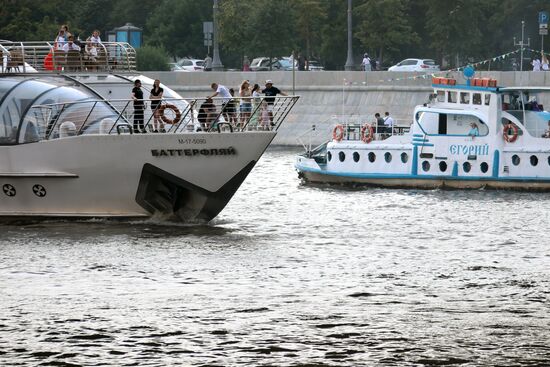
384	26
310	15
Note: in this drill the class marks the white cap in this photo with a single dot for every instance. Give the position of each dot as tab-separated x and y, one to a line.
268	81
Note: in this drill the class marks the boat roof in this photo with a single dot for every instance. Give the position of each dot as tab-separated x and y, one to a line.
528	89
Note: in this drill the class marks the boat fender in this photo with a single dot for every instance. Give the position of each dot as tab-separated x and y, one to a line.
166	119
338	132
367	133
513	137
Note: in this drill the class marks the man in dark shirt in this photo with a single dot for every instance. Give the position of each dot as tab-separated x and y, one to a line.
270	92
137	96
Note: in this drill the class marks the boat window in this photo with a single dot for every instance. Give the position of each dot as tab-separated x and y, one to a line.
442	166
516	160
425	166
476	98
15	105
342	156
464	97
436	123
484	167
451	97
387	157
329	156
356	157
466	166
487	99
440	96
372	157
405	158
534	160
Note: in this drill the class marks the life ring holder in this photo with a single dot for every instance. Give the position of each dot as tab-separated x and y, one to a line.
367	133
338	133
515	132
165	119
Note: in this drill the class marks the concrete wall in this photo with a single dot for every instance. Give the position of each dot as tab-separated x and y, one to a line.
330	97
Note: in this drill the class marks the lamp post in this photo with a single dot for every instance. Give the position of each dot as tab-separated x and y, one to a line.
216	62
349	62
522	44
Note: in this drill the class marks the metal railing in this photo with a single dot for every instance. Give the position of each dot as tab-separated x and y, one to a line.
44	56
353	131
169	115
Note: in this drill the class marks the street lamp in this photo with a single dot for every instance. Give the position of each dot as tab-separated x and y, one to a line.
349	62
522	44
216	62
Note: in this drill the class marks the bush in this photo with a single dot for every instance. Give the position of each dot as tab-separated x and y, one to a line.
150	58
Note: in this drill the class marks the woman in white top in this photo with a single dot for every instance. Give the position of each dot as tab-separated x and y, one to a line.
246	102
60	40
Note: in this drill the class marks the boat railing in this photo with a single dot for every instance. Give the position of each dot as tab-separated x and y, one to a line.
353	131
44	56
168	115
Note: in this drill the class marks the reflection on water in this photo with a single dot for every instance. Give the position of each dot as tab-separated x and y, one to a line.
287	275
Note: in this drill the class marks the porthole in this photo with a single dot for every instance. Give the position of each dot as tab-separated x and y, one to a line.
484	167
372	157
356	157
549	160
329	156
426	166
534	160
442	166
515	160
405	158
387	157
466	166
342	156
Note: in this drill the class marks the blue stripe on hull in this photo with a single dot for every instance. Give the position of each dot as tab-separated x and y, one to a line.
423	177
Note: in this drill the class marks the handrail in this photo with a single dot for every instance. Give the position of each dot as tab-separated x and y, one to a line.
46	56
105	116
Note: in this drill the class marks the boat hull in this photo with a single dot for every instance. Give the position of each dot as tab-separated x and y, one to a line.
184	177
427	183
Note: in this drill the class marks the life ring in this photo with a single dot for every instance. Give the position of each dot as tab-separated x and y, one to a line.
515	131
166	119
367	133
338	133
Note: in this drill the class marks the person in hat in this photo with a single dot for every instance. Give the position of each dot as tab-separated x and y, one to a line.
270	92
365	64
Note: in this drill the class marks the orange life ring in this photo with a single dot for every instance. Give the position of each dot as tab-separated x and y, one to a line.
367	133
338	133
166	119
515	131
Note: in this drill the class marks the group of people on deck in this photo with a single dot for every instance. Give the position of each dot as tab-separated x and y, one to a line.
249	106
254	106
66	42
383	125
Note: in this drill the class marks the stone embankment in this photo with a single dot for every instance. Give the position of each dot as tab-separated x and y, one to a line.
330	97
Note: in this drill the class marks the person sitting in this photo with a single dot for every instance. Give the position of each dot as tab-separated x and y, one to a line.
70	45
474	131
546	134
207	114
95	36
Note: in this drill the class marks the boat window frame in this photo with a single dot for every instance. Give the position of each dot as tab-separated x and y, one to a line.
480	120
452	97
465	98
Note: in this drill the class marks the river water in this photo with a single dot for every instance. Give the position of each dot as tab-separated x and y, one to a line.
287	275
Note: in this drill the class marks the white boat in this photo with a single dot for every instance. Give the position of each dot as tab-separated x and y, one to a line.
67	147
442	149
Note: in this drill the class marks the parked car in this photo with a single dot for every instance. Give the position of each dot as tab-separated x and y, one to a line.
421	65
263	64
314	65
192	64
174	66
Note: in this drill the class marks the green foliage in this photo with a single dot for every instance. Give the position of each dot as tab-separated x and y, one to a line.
150	58
454	31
